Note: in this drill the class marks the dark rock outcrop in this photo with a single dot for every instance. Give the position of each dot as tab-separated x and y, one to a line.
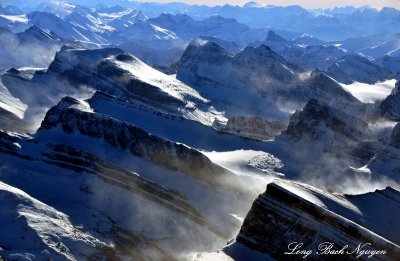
390	107
120	134
316	116
252	127
291	212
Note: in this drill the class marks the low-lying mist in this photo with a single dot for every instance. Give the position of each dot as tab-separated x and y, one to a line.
16	53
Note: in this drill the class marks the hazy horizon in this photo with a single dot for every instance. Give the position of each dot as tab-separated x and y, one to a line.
303	3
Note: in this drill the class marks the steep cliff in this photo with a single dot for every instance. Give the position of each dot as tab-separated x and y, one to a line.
296	213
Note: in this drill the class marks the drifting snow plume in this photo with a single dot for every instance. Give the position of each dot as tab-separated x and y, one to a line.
32	48
304	75
199	42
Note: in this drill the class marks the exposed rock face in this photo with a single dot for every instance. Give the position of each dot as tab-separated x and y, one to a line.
316	116
72	116
387	159
326	142
206	51
291	212
209	63
9	144
272	36
390	107
69	57
253	127
395	137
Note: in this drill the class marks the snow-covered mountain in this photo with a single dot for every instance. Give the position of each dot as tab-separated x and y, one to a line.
59	8
324	24
103	156
124	20
158	41
306	39
334	144
216	26
258	75
343	65
10	10
128	25
162	183
78	71
14	23
336	138
123	75
96	150
153	44
297	212
251	127
375	46
355	68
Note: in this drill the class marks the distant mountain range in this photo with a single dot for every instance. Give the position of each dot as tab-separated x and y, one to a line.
160	38
145	131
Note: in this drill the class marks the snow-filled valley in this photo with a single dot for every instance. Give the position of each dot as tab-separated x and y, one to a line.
369	93
147	131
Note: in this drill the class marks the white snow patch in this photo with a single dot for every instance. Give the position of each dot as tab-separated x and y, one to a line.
232	160
216	256
237	162
265	162
317	196
145	73
10	103
369	93
240	219
31	69
83	106
16	18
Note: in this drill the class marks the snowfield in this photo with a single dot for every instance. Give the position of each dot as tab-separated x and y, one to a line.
369	93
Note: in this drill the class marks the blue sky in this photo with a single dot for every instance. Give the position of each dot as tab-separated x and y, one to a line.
305	3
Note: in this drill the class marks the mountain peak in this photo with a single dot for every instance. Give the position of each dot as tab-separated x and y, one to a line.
203	49
308	122
166	17
261	52
38	33
272	36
